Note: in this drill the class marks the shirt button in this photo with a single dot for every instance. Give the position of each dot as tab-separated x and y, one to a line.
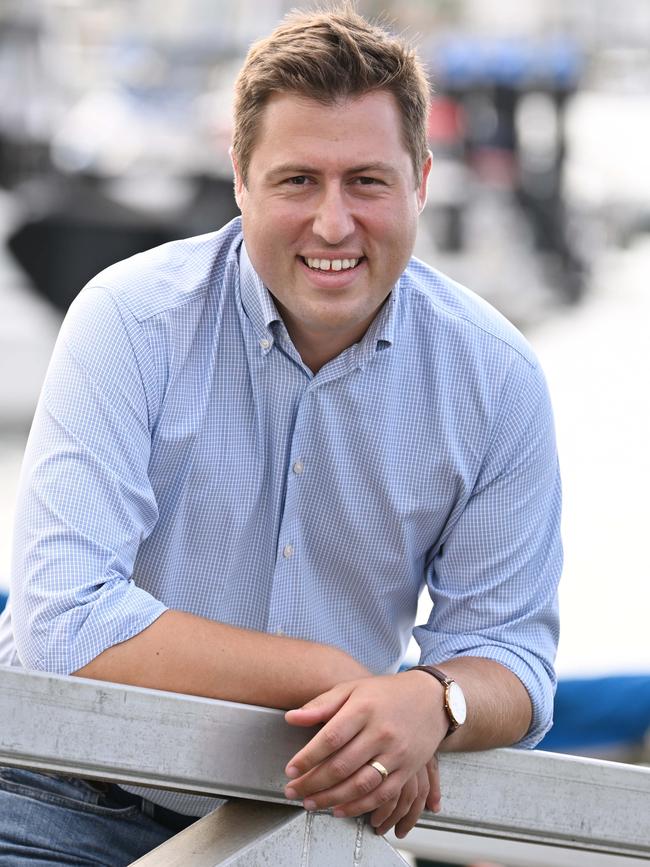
298	467
265	343
287	551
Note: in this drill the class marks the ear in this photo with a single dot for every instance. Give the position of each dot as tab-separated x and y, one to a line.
422	183
239	183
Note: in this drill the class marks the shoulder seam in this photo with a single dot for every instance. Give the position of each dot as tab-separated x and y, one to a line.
433	301
120	300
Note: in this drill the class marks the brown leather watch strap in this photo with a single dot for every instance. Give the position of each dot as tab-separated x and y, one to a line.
445	680
430	669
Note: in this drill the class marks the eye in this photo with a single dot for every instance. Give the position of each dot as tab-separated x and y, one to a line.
367	182
298	180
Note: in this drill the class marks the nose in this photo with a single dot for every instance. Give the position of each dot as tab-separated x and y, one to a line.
333	220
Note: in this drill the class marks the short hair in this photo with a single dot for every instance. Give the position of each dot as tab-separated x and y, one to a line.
329	56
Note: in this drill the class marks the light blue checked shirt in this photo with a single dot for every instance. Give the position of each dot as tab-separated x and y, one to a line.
182	456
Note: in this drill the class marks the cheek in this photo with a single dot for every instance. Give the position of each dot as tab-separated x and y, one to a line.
259	233
270	249
395	221
396	232
277	225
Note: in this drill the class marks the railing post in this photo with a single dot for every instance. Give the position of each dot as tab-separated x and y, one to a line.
246	834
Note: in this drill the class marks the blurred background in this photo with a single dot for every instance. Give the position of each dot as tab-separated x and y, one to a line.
114	130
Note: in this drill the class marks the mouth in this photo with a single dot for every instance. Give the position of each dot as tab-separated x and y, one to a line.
332	265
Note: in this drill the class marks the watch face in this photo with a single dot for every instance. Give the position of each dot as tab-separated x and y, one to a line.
456	701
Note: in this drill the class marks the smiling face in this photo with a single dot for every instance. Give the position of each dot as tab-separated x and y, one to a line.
329	214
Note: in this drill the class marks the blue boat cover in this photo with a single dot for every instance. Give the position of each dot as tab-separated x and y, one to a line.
599	712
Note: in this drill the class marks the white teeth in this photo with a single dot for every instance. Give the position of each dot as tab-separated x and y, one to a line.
333	264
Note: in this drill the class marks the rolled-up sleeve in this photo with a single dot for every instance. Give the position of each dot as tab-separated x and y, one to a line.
85	502
494	579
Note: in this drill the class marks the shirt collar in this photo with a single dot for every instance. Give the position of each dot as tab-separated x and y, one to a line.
382	328
256	299
261	310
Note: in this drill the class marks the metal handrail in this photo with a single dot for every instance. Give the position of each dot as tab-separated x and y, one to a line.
186	743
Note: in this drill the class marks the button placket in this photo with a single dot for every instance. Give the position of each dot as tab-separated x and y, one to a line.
290	539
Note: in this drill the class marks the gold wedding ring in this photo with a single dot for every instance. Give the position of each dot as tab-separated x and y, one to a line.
379	767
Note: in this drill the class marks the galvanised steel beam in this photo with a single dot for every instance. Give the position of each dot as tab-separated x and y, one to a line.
143	736
546	798
462	848
152	738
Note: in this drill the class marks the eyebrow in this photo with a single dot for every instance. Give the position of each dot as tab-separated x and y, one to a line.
297	169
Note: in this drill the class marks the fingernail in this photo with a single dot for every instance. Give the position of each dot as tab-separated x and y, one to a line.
338	814
292	772
309	804
291	794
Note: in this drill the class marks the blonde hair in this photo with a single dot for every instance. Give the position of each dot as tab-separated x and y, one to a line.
329	56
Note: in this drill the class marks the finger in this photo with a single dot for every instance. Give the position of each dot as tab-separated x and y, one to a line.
416	797
335	770
382	819
319	709
407	822
381	815
360	784
434	797
403	805
329	740
389	790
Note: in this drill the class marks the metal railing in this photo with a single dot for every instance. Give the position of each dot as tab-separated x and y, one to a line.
527	808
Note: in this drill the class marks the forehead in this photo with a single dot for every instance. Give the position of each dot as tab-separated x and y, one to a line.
361	129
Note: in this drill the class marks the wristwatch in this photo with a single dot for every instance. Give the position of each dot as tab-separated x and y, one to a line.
454	698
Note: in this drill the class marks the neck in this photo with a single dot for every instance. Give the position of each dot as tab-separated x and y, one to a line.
316	353
318	346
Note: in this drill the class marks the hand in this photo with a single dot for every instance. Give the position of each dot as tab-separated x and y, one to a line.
397	720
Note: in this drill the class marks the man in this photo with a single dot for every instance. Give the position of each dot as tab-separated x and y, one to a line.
254	448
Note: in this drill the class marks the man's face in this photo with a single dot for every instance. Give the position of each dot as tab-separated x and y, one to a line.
330	212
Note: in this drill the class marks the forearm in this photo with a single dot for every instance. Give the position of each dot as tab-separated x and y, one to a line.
184	653
499	710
